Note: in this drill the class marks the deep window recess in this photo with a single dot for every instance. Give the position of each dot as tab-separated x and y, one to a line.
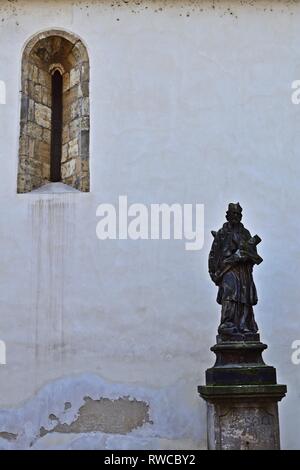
55	113
56	134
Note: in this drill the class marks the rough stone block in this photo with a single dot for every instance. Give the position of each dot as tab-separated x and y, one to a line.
37	94
43	151
66	113
85	123
74	128
74	76
31	145
84	89
44	78
73	148
23	145
84	144
72	60
75	109
46	171
30	166
65	134
46	136
27	109
68	168
31	110
65	153
79	52
84	185
24	108
26	70
66	81
34	75
43	115
85	107
85	72
84	167
72	95
33	130
21	186
46	97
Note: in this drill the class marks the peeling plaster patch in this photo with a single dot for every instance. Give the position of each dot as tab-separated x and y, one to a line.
108	416
131	416
52	417
8	435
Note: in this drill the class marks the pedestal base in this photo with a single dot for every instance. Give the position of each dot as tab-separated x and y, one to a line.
242	397
242	417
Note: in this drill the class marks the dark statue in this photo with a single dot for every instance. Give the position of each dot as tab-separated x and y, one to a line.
232	257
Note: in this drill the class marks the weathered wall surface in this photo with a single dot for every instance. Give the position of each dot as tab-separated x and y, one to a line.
190	102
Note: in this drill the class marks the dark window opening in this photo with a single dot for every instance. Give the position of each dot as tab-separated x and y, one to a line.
56	129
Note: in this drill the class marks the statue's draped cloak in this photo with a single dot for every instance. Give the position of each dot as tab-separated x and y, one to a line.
235	281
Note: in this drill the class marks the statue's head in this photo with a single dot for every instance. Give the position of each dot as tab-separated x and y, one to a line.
234	213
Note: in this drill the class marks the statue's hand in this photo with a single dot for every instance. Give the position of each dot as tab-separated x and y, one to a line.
240	256
235	258
243	256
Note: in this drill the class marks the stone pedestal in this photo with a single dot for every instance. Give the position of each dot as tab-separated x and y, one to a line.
242	397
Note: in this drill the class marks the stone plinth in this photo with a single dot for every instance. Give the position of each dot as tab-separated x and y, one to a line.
242	397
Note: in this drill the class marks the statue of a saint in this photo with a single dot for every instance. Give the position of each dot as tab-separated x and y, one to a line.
232	257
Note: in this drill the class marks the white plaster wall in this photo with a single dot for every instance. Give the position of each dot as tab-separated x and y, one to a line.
190	102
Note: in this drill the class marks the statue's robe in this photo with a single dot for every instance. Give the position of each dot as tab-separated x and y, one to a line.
237	292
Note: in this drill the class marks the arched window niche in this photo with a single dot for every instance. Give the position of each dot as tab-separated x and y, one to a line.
55	116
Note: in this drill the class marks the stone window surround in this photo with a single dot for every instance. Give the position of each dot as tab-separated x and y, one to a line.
75	150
